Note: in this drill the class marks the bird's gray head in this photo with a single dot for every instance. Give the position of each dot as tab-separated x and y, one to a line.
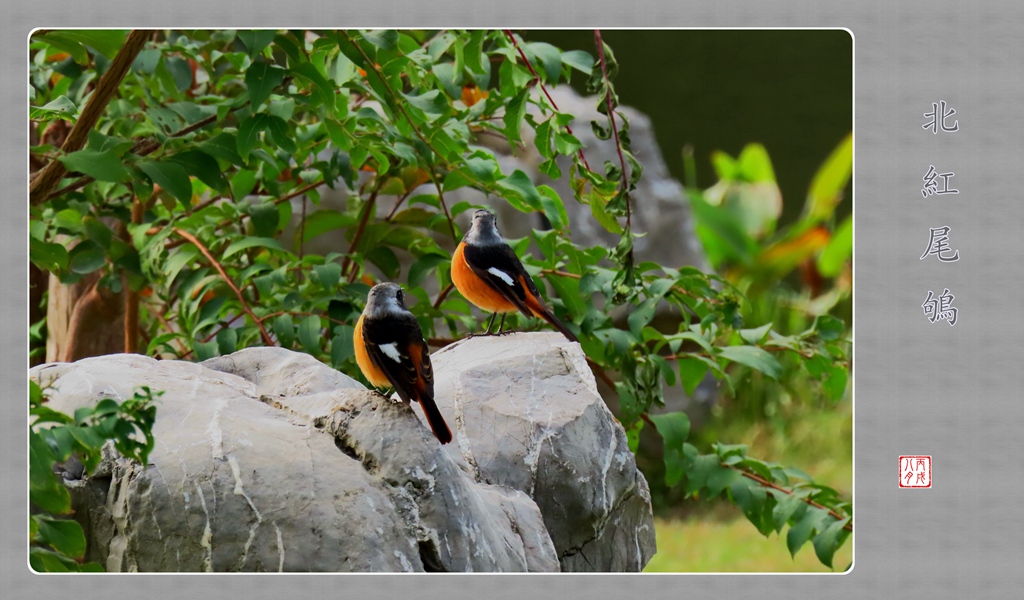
385	298
484	230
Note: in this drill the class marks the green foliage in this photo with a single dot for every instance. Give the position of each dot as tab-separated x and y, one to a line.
771	496
214	133
58	543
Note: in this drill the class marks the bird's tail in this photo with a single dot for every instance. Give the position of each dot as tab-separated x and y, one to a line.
545	313
436	421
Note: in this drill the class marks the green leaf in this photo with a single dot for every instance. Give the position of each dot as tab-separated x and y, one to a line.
256	40
249	133
204	350
203	166
789	506
755	336
826	542
61	107
101	166
691	372
59	41
579	60
838	250
86	257
227	341
63	535
422	266
47	256
250	242
328	275
550	59
280	134
171	176
224	146
341	345
518	187
105	41
828	327
45	561
262	78
284	329
801	532
384	259
835	383
754	358
432	102
309	334
265	218
554	208
674	428
385	39
828	183
568	290
515	111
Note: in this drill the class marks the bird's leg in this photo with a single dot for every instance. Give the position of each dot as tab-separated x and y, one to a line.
491	323
502	325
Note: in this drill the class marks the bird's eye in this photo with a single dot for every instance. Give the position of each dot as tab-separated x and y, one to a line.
400	296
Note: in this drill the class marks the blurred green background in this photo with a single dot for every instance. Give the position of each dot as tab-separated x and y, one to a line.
792	91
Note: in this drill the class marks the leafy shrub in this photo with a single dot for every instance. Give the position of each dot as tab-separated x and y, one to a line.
180	190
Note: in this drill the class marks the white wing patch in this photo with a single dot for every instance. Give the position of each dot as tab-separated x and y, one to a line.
501	274
392	351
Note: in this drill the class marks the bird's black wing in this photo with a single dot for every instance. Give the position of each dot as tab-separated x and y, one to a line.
499	266
396	346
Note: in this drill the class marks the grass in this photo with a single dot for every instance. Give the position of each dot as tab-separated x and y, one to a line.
715	537
732	546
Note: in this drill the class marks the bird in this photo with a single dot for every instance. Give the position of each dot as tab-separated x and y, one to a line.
487	272
390	351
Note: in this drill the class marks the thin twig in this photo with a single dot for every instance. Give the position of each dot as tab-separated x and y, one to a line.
44	182
227	222
444	207
561	273
774	486
615	129
401	199
245	305
444	294
370	207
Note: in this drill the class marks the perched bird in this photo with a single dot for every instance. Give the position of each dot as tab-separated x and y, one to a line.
488	273
390	351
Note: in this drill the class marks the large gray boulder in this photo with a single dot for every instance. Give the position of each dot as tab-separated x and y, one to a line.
268	460
528	416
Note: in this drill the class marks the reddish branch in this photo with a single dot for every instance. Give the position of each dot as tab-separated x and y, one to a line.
529	66
245	305
39	191
444	207
611	117
772	485
444	294
370	207
227	222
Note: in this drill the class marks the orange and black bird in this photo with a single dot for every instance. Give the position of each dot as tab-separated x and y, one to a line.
489	274
390	351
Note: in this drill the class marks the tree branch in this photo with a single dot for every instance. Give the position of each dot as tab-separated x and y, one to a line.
45	181
245	305
615	129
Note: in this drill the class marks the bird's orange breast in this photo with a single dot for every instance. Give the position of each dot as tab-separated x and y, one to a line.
370	370
475	289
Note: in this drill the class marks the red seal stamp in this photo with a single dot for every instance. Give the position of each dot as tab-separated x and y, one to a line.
916	471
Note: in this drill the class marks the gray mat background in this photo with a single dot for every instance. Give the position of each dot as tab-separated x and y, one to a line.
920	388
